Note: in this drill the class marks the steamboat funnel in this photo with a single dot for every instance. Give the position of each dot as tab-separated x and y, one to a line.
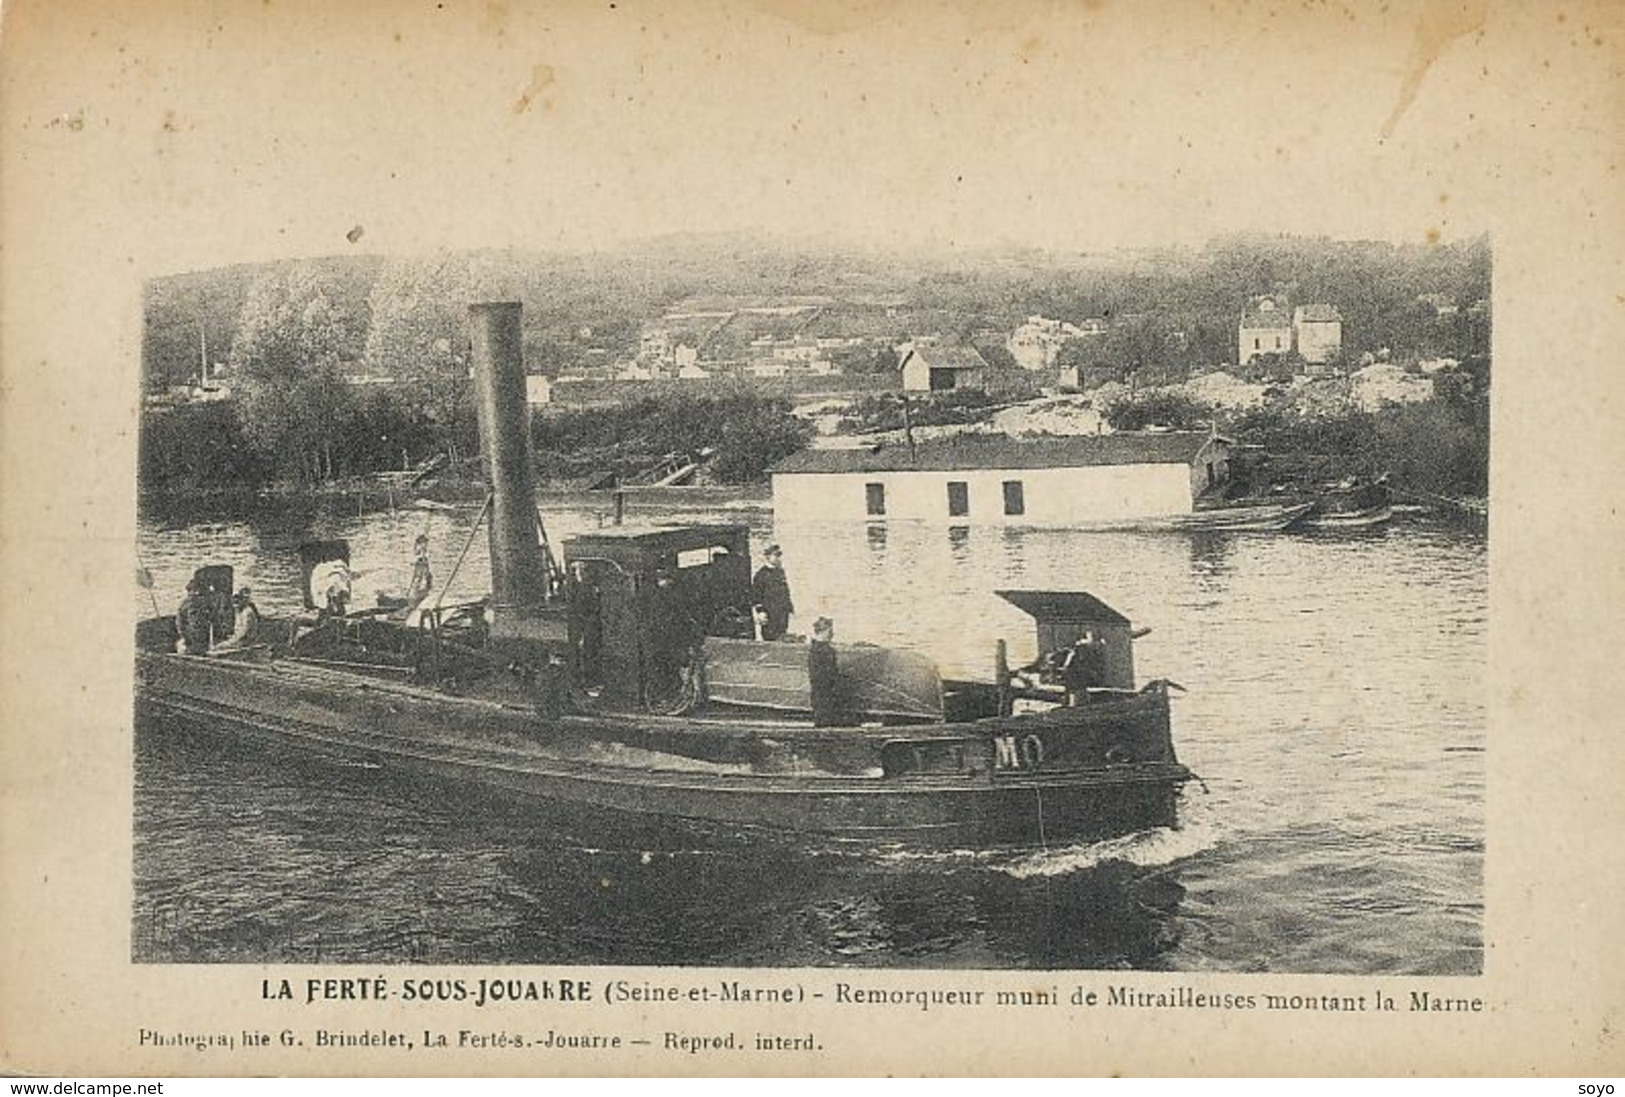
518	568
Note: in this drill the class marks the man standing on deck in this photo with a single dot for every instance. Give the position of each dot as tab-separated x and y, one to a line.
422	577
825	683
673	636
194	620
770	592
1083	668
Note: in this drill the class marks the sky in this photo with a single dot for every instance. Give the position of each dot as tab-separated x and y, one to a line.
242	131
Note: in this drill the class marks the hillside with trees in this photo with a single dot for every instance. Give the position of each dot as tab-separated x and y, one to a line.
342	366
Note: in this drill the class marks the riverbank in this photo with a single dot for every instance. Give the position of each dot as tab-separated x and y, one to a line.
1429	435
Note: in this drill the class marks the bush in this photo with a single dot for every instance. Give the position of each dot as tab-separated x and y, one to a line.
199	447
926	409
1435	447
1174	410
752	443
747	431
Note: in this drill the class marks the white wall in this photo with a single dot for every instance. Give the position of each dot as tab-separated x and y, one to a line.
1319	340
1054	497
916	374
1270	340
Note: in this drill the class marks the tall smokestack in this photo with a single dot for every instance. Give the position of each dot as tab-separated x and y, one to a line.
518	574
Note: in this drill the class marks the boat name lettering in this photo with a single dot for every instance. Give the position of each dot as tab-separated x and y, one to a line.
1004	752
1009	754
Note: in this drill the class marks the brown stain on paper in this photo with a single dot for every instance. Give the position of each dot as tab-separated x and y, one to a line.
542	77
1435	31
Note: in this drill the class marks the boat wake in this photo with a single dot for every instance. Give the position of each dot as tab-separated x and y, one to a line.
1197	833
1146	849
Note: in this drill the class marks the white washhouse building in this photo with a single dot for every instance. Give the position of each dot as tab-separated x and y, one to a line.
997	480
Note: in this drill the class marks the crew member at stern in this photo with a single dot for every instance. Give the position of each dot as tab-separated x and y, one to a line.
831	703
1083	668
194	620
770	591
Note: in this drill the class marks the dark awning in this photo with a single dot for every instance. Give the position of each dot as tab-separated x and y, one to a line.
1062	605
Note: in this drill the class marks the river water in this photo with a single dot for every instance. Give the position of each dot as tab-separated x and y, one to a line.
1334	709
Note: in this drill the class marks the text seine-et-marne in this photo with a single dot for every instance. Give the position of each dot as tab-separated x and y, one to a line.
478	992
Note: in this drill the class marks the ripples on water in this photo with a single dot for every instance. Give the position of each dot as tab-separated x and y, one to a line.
1335	710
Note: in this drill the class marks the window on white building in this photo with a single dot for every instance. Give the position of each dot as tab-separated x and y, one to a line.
958	498
1015	497
874	497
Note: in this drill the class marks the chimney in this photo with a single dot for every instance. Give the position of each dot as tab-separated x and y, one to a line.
518	573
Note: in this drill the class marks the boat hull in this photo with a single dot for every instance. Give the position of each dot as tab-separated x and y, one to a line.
1356	519
587	763
1265	518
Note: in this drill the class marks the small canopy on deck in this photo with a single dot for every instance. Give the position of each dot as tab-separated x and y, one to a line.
1062	616
1062	605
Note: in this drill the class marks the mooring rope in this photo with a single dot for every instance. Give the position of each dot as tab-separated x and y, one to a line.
479	521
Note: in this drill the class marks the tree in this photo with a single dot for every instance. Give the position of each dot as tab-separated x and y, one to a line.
286	358
1088	356
754	440
1162	409
419	336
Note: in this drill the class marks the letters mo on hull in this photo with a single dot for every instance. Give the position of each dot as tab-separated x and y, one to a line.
594	683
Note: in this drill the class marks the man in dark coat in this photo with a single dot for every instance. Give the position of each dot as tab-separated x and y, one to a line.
673	636
1084	668
770	593
831	701
194	620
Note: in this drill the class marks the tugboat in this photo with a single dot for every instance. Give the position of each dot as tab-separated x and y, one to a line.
629	679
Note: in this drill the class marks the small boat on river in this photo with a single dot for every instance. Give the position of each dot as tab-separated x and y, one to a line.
1258	518
629	678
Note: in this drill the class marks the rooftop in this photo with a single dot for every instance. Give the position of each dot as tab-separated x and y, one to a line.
950	357
663	535
998	451
1259	317
1317	314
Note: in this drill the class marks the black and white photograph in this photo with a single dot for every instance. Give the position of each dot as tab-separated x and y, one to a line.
721	600
773	535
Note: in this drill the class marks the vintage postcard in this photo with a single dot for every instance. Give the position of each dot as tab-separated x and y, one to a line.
810	538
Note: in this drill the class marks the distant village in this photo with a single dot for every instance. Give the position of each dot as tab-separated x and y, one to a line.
824	346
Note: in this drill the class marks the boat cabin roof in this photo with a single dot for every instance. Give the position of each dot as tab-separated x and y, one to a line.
657	546
1062	605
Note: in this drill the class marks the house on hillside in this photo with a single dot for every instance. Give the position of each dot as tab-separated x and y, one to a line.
997	480
1037	343
1442	304
1318	331
936	368
1265	328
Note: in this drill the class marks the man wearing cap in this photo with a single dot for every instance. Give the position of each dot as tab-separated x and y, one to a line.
825	682
194	620
770	593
